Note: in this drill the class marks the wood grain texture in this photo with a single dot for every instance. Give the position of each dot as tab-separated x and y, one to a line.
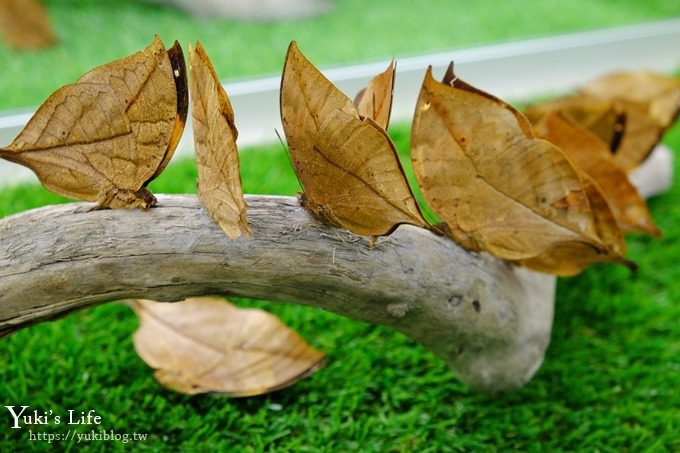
488	320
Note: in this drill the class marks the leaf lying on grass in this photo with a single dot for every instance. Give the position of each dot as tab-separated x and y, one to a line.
208	345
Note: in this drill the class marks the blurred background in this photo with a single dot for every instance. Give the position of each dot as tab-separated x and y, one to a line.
253	41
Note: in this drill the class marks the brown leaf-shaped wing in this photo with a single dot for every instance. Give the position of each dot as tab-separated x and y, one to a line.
375	101
647	104
606	227
348	167
219	179
105	137
25	25
152	84
651	103
601	117
354	179
307	97
179	72
79	143
641	135
498	188
592	155
208	345
626	126
659	93
570	258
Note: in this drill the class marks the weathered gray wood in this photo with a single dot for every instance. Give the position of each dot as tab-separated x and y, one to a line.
485	318
488	320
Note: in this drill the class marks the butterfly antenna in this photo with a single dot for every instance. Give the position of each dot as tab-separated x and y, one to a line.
283	145
285	148
287	152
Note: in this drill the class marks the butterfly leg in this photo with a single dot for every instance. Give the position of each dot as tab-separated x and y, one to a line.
126	198
104	200
131	199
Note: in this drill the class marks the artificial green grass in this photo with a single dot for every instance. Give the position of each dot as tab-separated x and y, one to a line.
93	32
609	382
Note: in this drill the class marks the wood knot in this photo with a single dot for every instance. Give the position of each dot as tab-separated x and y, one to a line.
397	310
455	300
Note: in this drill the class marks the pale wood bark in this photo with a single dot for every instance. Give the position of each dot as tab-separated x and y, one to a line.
488	320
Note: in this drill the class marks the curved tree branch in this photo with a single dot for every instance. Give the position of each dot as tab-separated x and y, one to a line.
467	308
488	320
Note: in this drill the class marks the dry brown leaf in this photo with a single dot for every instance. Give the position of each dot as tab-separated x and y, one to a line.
208	345
219	179
498	188
25	25
375	101
591	155
107	136
348	167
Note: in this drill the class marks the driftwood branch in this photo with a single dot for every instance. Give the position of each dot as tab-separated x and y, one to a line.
488	320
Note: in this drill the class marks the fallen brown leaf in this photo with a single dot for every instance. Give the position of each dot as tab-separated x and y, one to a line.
348	167
107	136
591	155
25	25
219	179
498	188
208	345
375	101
